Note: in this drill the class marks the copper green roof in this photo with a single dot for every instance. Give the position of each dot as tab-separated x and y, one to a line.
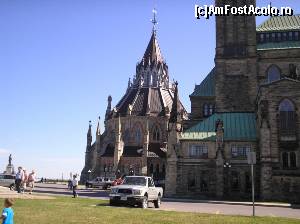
207	86
278	45
237	127
280	23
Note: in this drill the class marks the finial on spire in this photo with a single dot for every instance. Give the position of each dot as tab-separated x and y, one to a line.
154	21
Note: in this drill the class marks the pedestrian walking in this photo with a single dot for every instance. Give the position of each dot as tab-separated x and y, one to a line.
25	180
31	181
19	179
75	185
7	213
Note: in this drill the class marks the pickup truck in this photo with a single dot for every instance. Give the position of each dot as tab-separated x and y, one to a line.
136	190
101	182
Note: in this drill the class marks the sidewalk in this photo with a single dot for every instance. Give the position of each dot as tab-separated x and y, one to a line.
246	203
7	193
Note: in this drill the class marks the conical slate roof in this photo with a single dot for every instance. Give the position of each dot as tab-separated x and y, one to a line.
153	52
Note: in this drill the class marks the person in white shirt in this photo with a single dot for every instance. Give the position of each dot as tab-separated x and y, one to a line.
19	179
75	185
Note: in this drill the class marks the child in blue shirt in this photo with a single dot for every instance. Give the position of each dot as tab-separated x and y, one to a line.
7	213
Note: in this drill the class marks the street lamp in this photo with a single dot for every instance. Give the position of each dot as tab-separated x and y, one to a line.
89	171
105	170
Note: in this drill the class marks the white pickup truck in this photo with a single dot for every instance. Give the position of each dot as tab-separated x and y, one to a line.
136	190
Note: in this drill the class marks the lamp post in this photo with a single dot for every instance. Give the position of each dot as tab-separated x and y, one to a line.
105	170
227	165
251	157
89	171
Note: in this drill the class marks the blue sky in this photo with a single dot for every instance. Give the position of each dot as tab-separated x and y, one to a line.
60	59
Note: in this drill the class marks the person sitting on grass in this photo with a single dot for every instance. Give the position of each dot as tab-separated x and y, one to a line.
8	213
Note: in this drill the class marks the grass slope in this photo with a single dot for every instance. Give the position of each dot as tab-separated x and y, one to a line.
68	210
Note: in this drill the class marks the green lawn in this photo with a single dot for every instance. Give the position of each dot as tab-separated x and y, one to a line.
63	210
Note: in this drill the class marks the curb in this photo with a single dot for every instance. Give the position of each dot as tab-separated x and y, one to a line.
266	204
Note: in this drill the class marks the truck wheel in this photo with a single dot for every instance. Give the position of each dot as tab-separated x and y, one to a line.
157	202
112	203
144	203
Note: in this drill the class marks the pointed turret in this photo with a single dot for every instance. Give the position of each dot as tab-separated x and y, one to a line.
89	137
108	109
153	53
175	115
98	137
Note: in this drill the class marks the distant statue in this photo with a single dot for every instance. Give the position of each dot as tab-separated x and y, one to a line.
9	160
219	129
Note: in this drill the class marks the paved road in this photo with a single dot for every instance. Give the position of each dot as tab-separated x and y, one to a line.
201	207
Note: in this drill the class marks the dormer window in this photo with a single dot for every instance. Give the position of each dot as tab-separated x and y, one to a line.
278	36
296	35
290	35
205	110
284	36
262	37
273	35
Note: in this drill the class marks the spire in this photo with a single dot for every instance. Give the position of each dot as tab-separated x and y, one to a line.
108	109
98	131
153	53
175	106
89	135
154	21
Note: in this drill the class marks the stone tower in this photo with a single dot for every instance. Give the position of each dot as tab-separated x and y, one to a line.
235	59
88	155
174	132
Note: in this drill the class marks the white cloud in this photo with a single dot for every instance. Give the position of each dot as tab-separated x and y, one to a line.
4	152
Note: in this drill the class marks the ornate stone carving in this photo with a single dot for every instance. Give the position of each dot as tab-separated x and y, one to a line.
292	71
219	133
264	112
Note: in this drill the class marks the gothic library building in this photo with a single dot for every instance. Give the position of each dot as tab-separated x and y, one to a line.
249	102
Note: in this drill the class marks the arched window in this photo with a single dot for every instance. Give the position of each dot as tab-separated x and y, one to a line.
293	162
211	109
235	183
112	136
273	74
287	116
163	169
157	168
138	136
205	110
155	134
285	160
126	138
151	168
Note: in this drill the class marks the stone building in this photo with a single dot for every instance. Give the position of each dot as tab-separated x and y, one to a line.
135	135
248	102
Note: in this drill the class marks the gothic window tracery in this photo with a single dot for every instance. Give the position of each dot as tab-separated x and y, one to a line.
293	162
155	134
235	183
138	136
287	116
205	110
273	73
126	138
285	160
